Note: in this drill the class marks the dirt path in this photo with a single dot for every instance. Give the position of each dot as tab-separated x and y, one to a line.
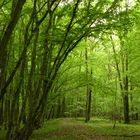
71	130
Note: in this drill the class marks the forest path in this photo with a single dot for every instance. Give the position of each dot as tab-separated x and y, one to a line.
72	130
76	129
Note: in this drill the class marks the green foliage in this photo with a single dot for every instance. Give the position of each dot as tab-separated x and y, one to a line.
45	70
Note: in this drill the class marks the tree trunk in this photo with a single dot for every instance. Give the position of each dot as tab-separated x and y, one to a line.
126	86
15	14
123	78
126	109
88	90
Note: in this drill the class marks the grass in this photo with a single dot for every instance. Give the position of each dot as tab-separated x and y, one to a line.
77	129
48	127
121	131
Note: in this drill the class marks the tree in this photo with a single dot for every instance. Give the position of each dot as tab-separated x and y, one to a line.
50	35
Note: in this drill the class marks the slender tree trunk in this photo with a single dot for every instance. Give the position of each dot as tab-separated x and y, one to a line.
88	89
115	103
123	80
63	107
1	111
126	91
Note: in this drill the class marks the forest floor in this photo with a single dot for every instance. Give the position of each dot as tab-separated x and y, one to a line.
76	129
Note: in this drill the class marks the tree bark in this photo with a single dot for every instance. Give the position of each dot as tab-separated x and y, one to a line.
15	14
123	80
88	89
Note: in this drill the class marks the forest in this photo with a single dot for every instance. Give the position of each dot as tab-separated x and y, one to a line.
69	70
